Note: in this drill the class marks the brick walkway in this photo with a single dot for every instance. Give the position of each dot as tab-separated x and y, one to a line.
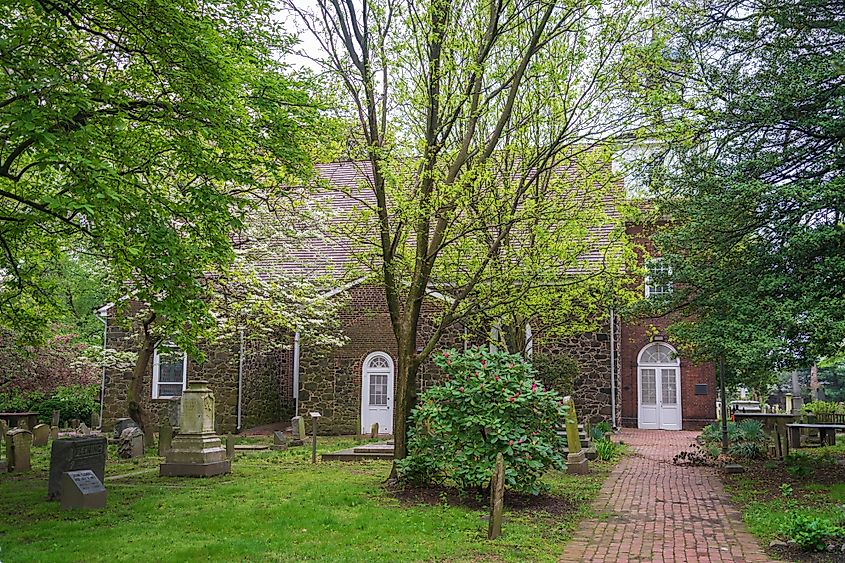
651	510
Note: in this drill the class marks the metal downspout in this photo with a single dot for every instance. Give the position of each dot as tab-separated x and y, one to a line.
240	378
296	371
103	378
613	367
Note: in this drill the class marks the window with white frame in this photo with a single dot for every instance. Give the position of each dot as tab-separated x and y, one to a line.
170	371
657	280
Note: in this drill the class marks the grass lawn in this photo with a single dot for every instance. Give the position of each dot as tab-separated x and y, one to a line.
767	494
274	506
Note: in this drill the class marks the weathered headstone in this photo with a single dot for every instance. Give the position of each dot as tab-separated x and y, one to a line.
122	424
230	447
83	429
40	435
131	443
95	420
297	430
497	499
54	432
82	489
4	427
18	443
74	423
71	454
374	430
165	438
55	419
314	416
280	441
576	461
196	451
173	408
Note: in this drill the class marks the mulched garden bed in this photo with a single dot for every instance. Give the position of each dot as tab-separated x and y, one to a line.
793	553
516	502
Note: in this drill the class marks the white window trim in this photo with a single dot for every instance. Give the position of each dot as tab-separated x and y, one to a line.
157	369
648	284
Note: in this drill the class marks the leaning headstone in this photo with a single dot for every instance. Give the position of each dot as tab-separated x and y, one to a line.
297	425
83	429
196	451
95	420
71	454
55	419
54	433
82	489
165	438
131	443
497	499
374	430
230	447
280	441
122	424
18	443
576	460
40	435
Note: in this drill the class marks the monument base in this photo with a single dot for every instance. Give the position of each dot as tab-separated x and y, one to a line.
195	469
577	464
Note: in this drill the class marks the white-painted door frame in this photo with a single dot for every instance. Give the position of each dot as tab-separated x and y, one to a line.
660	415
383	414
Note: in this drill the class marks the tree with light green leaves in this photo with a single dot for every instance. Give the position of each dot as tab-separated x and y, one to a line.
143	135
488	127
752	183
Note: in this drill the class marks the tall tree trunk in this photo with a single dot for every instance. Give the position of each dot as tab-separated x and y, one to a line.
405	398
134	404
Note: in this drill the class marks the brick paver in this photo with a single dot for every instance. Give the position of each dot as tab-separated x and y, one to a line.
652	510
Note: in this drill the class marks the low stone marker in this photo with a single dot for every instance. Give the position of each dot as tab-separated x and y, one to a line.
18	443
497	499
122	424
83	429
95	420
297	427
4	427
576	461
82	489
54	432
71	454
374	430
23	424
314	416
280	441
165	438
74	423
131	443
40	435
55	419
230	447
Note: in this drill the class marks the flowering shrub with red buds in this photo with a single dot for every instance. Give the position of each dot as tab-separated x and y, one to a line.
491	403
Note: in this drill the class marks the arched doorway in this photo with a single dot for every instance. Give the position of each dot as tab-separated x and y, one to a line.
659	387
377	377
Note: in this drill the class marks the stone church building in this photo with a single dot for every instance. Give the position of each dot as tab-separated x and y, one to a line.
629	373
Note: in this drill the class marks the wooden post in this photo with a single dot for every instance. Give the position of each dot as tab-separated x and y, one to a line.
497	499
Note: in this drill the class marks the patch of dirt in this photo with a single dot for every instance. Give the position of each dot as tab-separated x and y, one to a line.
792	553
768	478
515	502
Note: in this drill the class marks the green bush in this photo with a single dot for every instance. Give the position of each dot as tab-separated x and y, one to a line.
811	533
824	407
491	404
72	401
746	439
557	372
798	464
606	450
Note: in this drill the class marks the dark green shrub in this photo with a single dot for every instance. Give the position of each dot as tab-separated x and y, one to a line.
492	404
798	464
597	431
746	439
72	401
606	450
811	533
557	372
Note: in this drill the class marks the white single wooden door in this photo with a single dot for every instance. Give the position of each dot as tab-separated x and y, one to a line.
659	388
377	380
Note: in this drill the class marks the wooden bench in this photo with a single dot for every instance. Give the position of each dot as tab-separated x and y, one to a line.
827	433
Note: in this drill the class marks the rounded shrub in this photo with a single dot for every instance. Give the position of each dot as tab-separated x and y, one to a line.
490	404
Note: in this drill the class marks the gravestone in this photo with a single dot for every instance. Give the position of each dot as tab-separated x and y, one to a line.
18	443
196	451
165	438
74	423
122	424
297	425
54	433
374	430
314	416
131	443
497	499
173	412
95	420
23	423
40	435
576	461
82	489
280	441
4	427
55	419
83	429
71	454
230	447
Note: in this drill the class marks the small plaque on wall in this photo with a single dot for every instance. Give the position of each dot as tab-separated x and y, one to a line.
700	388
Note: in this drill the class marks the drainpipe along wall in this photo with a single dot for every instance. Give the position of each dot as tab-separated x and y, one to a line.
240	379
296	371
613	367
105	322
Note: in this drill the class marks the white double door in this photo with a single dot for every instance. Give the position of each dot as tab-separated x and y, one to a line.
660	397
